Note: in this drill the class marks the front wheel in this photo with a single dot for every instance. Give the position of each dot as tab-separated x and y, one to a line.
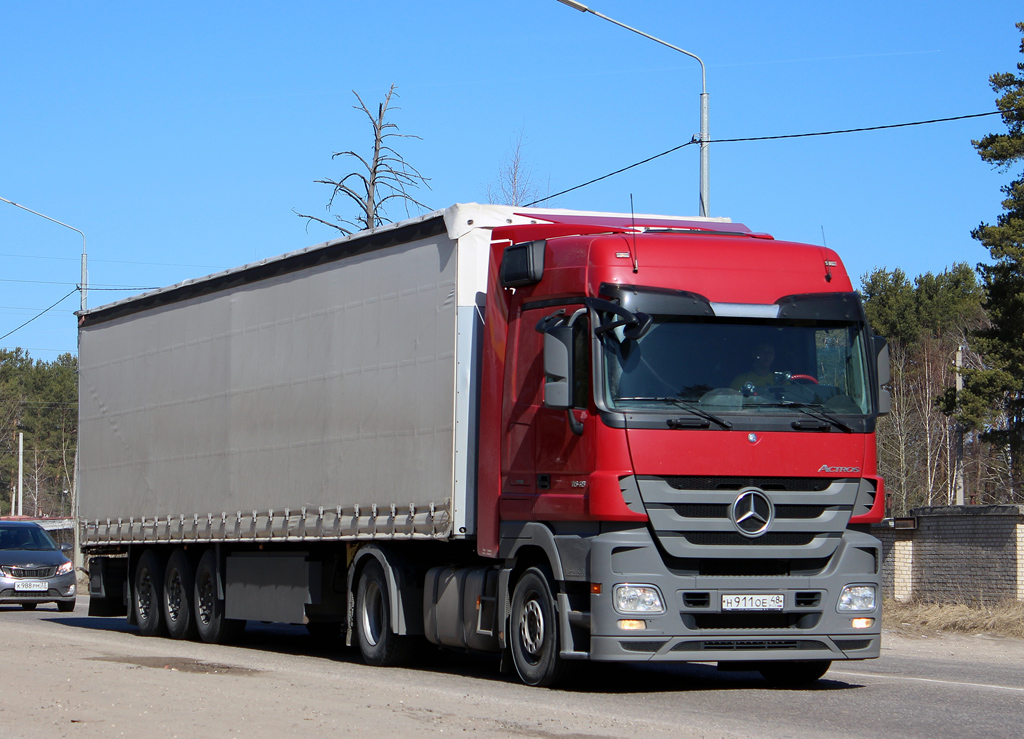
793	674
534	630
378	643
28	606
65	606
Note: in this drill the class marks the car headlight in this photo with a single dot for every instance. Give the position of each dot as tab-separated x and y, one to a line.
857	598
65	568
638	599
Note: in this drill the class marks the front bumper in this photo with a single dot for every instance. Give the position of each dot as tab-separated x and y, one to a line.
59	589
695	628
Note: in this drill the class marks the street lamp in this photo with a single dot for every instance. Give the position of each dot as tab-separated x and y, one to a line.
84	287
705	185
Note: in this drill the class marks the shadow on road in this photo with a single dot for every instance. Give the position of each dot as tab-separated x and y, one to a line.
590	677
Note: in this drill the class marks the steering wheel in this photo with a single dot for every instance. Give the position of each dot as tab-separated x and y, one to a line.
804	377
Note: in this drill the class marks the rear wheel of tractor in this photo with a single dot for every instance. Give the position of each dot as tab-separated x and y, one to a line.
208	608
148	591
534	630
179	586
378	643
793	674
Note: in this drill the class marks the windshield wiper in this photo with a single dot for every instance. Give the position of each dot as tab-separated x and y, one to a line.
685	405
813	411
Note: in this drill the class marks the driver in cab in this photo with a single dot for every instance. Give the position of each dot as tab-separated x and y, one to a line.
761	372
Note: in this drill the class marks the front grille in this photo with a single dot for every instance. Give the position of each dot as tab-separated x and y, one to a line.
20	572
728	539
748	645
793	484
721	510
752	621
697	600
687	567
642	646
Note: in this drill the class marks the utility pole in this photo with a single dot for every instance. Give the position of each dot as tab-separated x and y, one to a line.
21	471
958	472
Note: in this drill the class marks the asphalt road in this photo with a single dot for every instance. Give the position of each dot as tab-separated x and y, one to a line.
68	675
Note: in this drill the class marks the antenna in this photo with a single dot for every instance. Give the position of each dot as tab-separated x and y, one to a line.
633	253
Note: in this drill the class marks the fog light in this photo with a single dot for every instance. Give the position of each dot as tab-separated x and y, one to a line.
862	623
632	624
857	598
638	599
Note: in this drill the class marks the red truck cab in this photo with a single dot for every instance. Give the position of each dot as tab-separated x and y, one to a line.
677	430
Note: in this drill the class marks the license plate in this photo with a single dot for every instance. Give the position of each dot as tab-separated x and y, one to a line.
753	602
31	586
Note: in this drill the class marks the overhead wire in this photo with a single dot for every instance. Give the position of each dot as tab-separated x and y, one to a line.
763	138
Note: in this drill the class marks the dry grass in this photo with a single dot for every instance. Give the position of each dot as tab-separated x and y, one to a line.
1003	619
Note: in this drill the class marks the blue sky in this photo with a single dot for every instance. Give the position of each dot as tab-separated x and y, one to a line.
179	137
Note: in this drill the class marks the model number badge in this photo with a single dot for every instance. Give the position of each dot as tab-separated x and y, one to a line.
579	483
832	470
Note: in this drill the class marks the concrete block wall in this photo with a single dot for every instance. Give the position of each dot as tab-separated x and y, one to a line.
956	554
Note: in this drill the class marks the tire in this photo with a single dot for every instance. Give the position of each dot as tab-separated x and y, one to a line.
65	606
793	674
534	631
378	643
179	586
208	609
28	606
147	594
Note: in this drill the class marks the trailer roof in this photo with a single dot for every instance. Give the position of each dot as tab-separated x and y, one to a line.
457	221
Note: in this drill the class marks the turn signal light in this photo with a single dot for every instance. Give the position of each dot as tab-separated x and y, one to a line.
862	623
632	624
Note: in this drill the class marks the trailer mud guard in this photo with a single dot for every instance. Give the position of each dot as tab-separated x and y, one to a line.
406	595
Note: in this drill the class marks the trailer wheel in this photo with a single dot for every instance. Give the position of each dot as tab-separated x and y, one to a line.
179	586
149	589
792	674
208	609
534	632
378	643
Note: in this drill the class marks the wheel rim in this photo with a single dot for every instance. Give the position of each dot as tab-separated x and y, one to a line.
205	605
175	590
531	628
145	596
373	613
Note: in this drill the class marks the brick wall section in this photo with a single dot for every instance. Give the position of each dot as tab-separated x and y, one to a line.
957	554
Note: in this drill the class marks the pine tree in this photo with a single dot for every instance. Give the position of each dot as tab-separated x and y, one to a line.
993	396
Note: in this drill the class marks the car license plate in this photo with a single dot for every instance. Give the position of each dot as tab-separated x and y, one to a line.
753	602
30	586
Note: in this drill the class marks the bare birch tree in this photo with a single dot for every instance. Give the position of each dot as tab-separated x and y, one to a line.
515	183
383	177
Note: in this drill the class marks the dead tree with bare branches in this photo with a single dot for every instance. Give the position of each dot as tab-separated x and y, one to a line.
384	177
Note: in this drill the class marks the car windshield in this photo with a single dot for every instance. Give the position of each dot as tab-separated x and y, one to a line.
25	537
728	365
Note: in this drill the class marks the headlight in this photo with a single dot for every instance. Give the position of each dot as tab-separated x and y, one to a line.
638	599
857	598
65	568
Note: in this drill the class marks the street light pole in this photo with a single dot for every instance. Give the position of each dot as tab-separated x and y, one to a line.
705	177
84	286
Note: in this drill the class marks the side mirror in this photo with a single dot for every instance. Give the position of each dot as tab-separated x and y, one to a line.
884	375
65	548
558	367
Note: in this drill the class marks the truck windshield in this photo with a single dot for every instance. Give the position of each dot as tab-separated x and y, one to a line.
727	365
